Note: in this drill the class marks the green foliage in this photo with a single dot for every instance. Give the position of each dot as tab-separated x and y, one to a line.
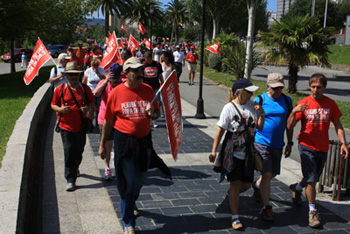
336	13
214	61
96	32
176	13
235	58
297	40
14	96
339	54
192	33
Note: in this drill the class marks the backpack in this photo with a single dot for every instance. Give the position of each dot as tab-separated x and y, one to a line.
285	99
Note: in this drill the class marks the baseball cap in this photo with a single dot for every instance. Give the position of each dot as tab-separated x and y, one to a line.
133	63
275	80
71	67
244	84
63	56
192	47
116	69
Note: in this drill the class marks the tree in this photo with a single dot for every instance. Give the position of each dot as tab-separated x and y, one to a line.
109	7
139	12
302	7
251	5
177	13
296	41
23	20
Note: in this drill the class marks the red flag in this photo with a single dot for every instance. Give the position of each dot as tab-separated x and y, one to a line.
123	29
109	34
40	56
133	44
126	41
214	48
172	107
108	38
147	43
142	29
120	44
112	48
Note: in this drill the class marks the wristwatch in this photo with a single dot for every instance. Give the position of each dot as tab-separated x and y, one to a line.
291	143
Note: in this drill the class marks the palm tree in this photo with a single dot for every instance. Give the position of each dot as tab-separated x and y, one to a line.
140	12
109	7
178	14
296	41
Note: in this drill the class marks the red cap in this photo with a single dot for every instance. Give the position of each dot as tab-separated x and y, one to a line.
192	47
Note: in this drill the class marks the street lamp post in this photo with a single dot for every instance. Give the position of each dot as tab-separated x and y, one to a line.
200	103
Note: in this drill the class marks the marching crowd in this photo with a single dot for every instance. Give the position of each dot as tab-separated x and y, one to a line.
121	101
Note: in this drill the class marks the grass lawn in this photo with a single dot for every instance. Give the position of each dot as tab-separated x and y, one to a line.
340	54
14	96
228	80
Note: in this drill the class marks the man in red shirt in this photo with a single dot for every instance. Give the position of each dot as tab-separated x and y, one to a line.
129	111
80	54
315	113
191	58
70	111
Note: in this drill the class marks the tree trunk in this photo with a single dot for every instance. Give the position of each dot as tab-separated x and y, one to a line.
106	23
293	78
216	22
251	4
12	54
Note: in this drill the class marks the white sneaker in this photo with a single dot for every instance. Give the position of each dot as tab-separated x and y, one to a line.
108	174
70	187
129	230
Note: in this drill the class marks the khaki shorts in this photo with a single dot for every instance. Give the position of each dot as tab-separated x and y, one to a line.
192	67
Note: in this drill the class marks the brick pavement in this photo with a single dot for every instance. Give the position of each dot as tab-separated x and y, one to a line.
194	201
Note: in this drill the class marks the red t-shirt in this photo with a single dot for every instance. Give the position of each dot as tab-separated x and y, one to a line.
192	57
71	121
315	121
127	107
80	53
87	58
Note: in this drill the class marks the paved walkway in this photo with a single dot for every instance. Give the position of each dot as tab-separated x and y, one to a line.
193	202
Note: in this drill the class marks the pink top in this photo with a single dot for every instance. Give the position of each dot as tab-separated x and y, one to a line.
104	97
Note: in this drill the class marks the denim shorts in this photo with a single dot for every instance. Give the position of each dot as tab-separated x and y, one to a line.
271	158
312	163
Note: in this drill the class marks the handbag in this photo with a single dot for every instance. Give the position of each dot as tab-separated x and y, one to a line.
86	122
250	149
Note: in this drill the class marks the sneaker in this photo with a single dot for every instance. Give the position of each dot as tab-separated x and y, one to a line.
70	187
257	193
78	172
136	210
108	174
314	219
189	83
129	230
267	213
236	224
296	195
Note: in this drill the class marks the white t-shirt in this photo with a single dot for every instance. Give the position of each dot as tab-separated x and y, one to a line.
62	80
166	73
157	53
92	77
231	121
178	57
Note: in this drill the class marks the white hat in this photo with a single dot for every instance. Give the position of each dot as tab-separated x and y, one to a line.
63	56
133	63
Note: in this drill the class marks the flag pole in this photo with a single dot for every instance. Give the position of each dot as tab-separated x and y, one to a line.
161	87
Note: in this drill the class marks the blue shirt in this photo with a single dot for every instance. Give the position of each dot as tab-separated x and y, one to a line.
276	113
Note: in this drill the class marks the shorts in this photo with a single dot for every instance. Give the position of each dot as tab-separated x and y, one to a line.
237	172
192	67
312	163
110	137
271	158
